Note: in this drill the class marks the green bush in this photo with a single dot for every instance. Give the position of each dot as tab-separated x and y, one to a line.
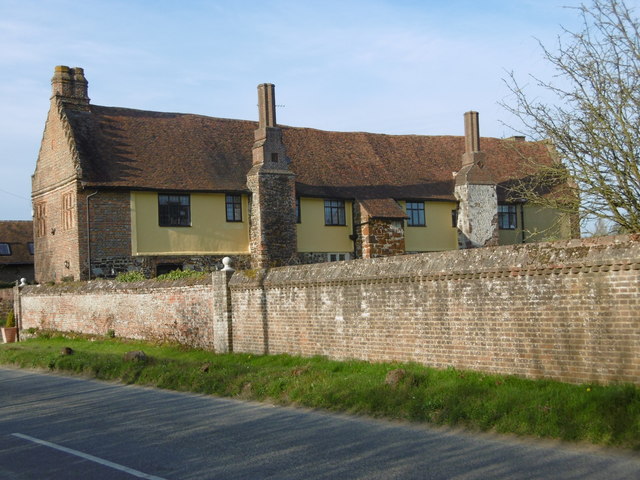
130	277
178	274
11	319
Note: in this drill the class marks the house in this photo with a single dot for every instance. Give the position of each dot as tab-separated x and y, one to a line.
118	189
16	251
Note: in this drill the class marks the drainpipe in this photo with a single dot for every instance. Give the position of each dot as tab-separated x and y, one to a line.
522	222
89	234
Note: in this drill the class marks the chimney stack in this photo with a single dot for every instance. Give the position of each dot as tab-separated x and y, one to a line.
267	105
70	86
272	223
475	191
472	153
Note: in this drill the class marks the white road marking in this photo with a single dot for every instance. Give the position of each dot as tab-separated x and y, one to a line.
86	456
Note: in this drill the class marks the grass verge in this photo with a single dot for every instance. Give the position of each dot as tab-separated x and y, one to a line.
602	415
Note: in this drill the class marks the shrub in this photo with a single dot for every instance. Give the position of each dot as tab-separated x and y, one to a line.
130	277
11	319
178	274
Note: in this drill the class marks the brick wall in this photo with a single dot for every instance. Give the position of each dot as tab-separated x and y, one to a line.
110	219
180	310
55	202
566	310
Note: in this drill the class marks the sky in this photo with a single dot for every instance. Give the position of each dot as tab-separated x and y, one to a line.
384	66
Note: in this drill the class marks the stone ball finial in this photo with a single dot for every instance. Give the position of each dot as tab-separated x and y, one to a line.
226	262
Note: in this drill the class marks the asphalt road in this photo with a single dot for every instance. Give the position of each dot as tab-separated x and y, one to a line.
54	427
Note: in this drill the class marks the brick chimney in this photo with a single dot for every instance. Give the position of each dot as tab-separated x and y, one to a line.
273	236
268	148
475	191
70	86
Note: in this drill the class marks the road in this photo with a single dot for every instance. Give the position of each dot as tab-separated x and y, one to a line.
54	427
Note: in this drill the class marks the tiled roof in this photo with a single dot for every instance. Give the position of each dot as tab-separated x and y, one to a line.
17	233
125	148
383	208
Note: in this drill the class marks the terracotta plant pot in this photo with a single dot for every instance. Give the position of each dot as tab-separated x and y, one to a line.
9	334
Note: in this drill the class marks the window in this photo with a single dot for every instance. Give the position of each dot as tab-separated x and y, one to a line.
274	157
67	211
30	247
298	217
164	268
234	208
507	219
40	216
415	210
5	248
337	257
174	210
334	212
454	218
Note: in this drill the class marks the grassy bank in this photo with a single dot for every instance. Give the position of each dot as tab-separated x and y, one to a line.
605	415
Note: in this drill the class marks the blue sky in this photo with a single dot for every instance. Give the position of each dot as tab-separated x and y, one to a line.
387	66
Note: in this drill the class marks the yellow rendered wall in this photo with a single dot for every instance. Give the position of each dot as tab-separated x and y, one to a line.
209	233
315	236
540	225
438	234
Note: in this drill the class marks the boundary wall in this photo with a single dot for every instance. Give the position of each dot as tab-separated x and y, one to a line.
175	311
568	311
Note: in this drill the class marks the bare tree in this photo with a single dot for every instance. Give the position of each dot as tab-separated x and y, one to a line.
593	119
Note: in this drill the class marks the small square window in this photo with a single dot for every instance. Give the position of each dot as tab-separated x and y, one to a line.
233	205
5	248
274	157
334	213
415	210
337	257
507	218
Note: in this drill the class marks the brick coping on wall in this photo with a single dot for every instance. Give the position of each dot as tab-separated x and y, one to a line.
107	286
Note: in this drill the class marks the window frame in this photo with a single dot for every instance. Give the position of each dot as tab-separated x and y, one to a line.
233	207
8	250
338	256
413	208
335	213
40	218
67	211
507	216
172	210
